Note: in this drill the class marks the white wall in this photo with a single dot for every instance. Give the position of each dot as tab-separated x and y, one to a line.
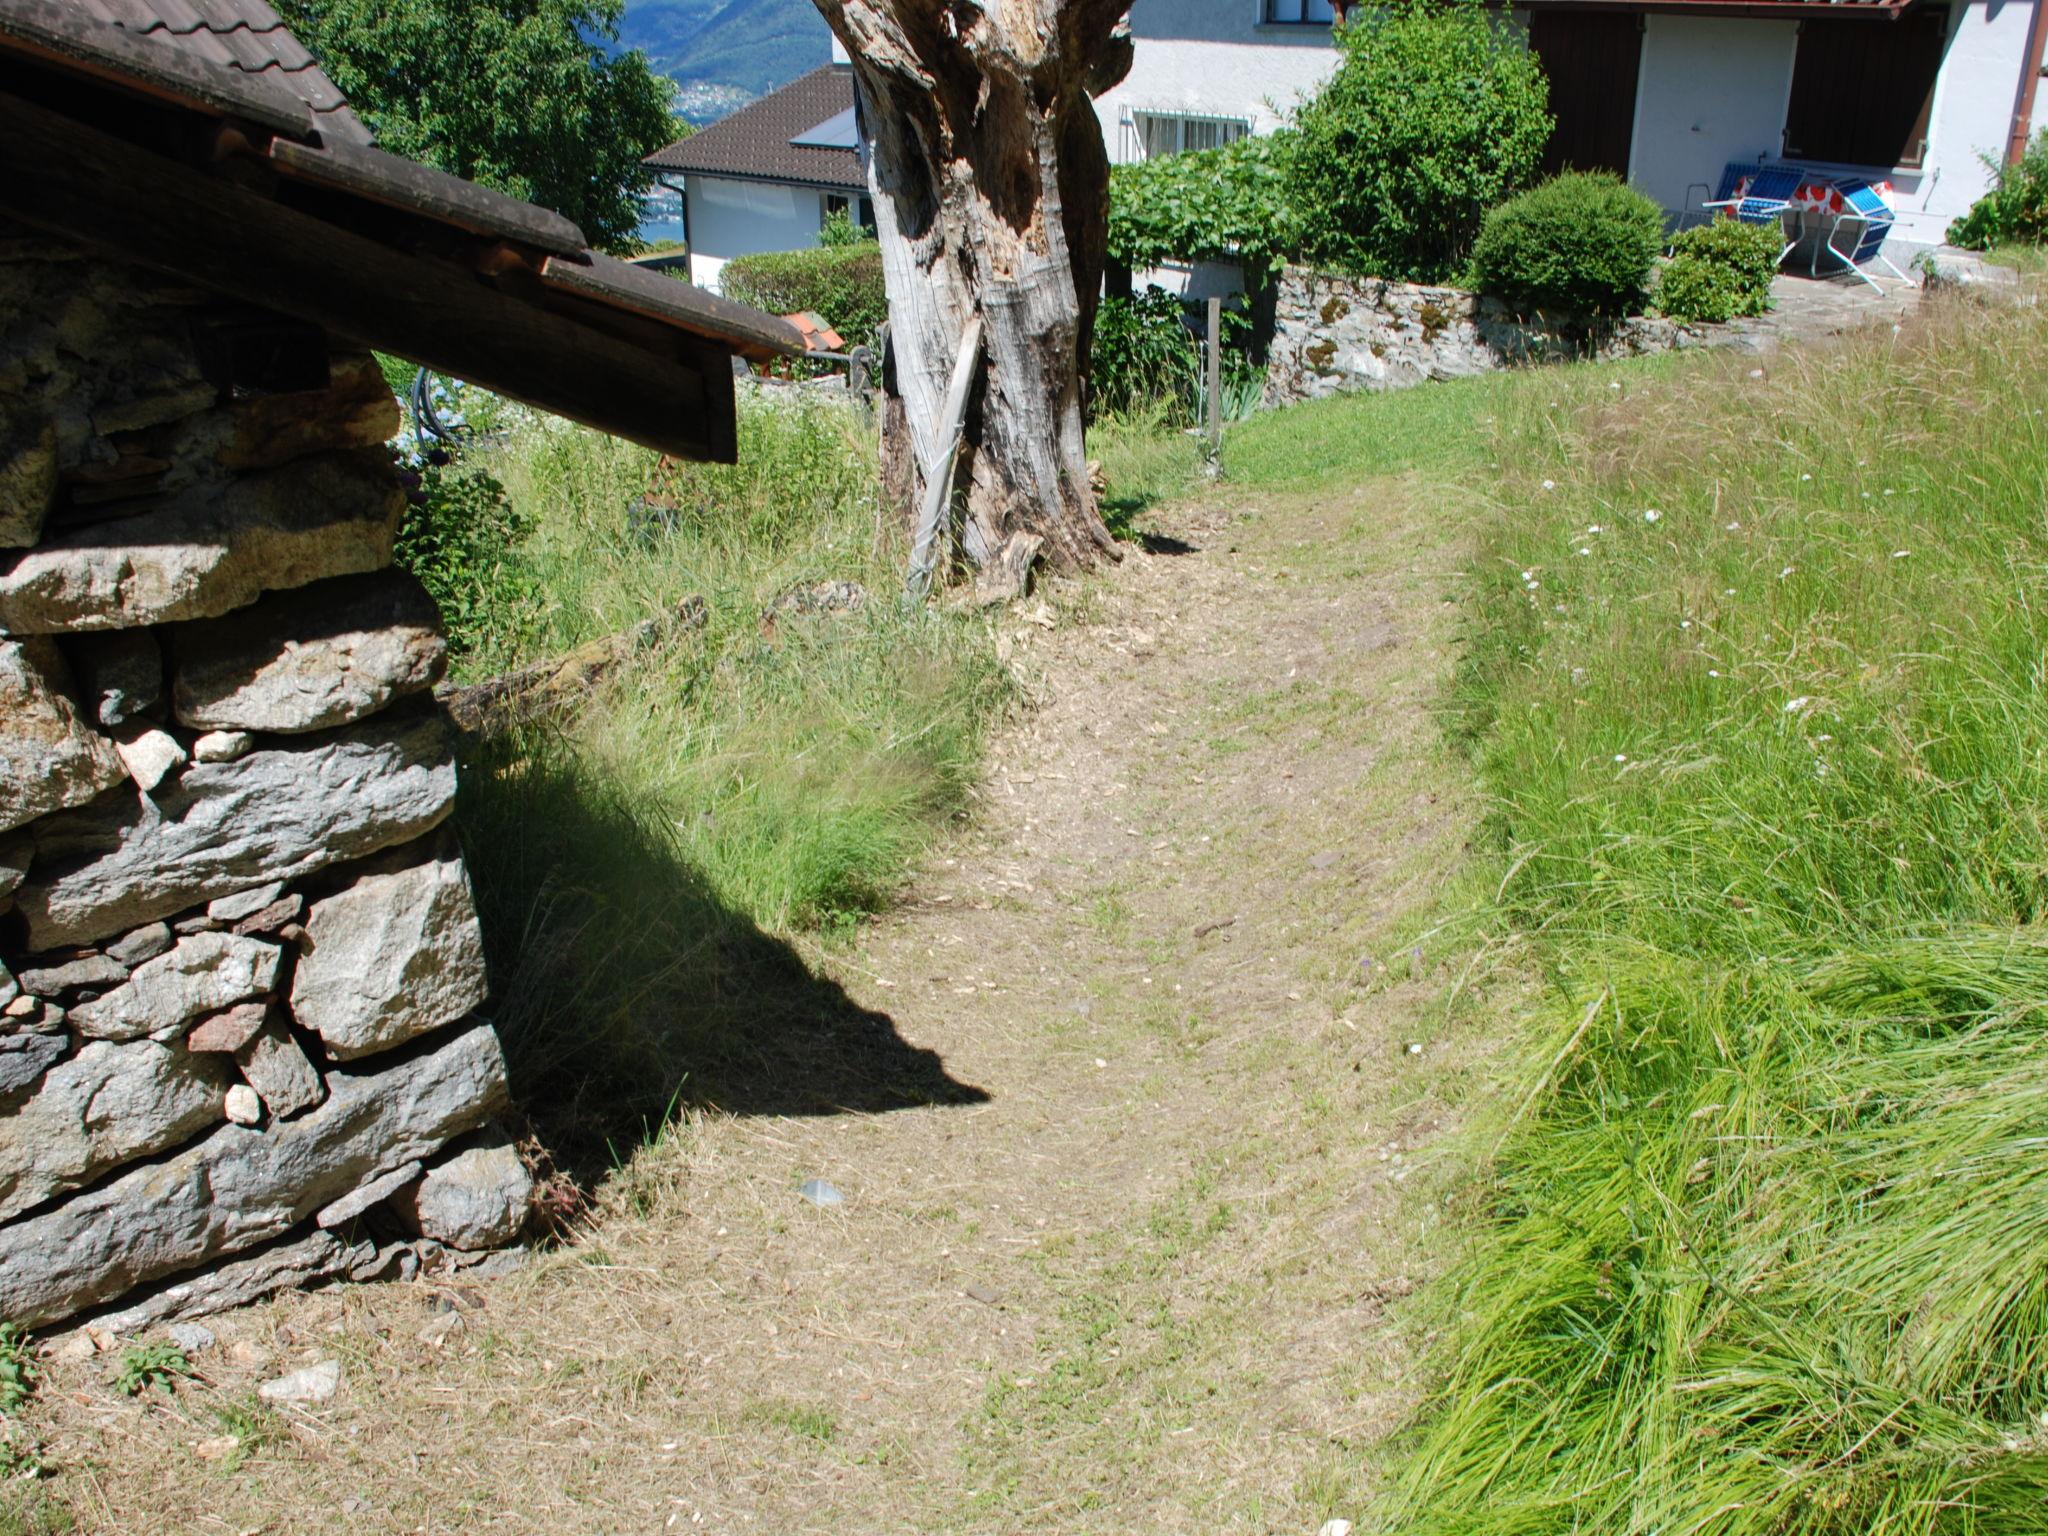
1973	101
1712	89
1715	89
1211	58
738	218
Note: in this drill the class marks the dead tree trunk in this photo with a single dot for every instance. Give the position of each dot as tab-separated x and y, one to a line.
991	189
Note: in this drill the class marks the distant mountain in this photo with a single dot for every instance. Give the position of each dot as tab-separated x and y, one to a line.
724	53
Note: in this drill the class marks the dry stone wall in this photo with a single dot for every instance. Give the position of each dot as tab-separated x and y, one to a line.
239	959
1333	334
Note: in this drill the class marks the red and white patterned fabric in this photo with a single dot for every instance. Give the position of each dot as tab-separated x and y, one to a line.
1823	196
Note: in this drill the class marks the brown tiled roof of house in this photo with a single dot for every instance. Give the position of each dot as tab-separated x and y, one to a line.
754	144
245	35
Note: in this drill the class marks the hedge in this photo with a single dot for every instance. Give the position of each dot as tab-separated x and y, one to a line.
841	284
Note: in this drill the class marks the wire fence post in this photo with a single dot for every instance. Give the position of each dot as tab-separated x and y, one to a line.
1213	387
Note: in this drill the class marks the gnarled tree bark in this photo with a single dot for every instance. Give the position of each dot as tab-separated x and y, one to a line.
991	189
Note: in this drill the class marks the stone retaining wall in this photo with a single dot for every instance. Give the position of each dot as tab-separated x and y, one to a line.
1334	334
238	954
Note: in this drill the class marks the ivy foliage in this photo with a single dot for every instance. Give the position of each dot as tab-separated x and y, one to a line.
1227	204
527	96
1436	113
1583	243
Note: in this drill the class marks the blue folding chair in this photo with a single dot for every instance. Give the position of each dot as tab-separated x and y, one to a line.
1766	200
1874	214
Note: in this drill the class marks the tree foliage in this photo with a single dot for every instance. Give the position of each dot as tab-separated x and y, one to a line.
841	283
521	95
1210	204
1580	244
1436	114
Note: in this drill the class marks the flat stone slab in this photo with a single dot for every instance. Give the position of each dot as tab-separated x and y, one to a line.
106	1106
391	957
202	974
276	814
332	653
241	1186
211	551
50	758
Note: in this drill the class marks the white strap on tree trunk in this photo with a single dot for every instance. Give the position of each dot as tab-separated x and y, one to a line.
938	483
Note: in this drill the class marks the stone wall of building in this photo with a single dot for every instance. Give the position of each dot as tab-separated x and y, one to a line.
239	960
1334	334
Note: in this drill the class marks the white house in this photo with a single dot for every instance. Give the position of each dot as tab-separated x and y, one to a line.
1916	93
1919	93
767	177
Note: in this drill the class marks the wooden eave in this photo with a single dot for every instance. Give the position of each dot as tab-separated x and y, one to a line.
225	181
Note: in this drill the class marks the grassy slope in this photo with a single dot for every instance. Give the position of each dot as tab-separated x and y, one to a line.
1756	676
742	785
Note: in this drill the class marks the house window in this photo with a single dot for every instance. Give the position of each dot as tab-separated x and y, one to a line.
1172	133
1296	13
1862	91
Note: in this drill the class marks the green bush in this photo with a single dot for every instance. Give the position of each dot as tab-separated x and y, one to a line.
1582	243
2015	210
461	537
1146	357
1211	204
841	283
1720	270
1436	114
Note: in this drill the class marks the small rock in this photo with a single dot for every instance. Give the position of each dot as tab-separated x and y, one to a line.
120	673
192	1338
367	1194
215	1447
315	1384
229	1030
24	1057
20	1007
820	1193
203	974
279	918
144	944
1414	1047
232	909
277	1068
223	746
243	1106
476	1199
437	1333
75	1347
10	989
85	971
150	758
1335	1528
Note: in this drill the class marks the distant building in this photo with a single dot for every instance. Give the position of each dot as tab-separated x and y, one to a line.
767	177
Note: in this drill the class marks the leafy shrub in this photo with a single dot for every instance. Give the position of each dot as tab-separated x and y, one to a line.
461	538
1146	355
2015	210
842	283
1436	113
1210	204
1720	270
1582	243
147	1366
839	231
17	1369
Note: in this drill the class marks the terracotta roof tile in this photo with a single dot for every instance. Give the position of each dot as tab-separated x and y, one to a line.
246	35
754	143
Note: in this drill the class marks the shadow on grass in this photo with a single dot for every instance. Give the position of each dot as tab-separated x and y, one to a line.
624	988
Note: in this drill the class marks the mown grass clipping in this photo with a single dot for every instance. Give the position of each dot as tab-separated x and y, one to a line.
1757	676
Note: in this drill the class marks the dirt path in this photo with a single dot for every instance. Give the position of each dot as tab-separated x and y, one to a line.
1145	1286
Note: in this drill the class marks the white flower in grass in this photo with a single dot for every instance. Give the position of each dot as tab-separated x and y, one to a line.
1806	477
1900	554
1528	575
1887	490
1793	706
1621	757
1593	528
1712	673
1727	591
1560	607
1787	572
1584	550
1685	623
1652	515
1550	485
1734	527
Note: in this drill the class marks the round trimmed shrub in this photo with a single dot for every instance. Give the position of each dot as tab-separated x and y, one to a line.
1720	270
840	283
1581	244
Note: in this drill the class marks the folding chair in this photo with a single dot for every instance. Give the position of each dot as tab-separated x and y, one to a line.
1733	176
1766	200
1861	204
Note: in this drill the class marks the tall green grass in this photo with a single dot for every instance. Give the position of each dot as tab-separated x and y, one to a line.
650	867
1756	674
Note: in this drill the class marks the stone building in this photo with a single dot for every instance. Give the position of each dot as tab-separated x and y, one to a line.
239	962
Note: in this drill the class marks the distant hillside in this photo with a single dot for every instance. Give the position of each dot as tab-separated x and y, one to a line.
724	53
